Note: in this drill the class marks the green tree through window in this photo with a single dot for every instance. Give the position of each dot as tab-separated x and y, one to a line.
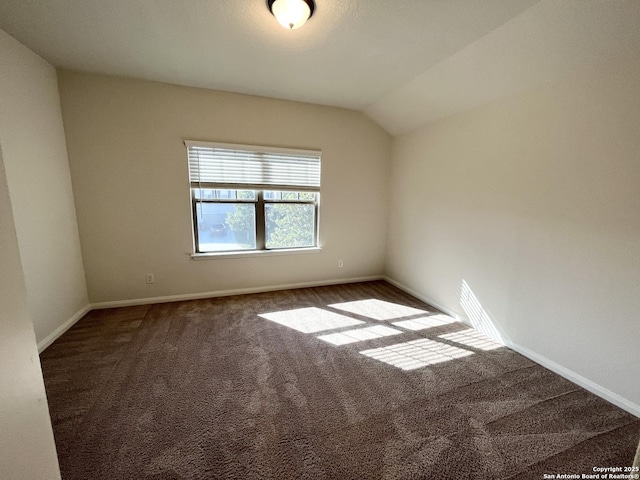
290	225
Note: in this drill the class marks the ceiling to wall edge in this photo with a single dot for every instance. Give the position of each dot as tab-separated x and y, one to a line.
503	59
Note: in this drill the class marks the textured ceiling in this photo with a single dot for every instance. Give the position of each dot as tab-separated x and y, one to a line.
404	63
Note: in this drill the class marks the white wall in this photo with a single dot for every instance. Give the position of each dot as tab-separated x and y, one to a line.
37	169
534	202
130	178
27	448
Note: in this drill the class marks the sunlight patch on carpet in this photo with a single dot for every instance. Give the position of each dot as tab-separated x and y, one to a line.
378	309
416	354
472	338
425	322
310	320
359	334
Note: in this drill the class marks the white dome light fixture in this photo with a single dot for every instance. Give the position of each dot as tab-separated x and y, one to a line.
291	14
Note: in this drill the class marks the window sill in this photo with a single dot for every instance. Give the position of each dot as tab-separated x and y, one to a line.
254	253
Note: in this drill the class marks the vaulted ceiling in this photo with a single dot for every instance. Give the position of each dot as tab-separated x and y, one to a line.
404	63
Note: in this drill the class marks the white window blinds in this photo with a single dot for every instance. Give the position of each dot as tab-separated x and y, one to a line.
213	165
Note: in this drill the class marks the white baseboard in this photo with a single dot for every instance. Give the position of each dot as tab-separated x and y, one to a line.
570	375
53	336
227	293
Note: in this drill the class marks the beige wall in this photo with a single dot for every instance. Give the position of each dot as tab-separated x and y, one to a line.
27	448
129	171
534	202
37	168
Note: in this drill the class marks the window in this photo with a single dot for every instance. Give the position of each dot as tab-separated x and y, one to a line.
247	198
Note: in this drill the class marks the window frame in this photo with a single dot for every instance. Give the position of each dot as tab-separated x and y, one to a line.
259	202
196	230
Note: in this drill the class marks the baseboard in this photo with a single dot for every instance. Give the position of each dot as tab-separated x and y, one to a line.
53	336
570	375
227	293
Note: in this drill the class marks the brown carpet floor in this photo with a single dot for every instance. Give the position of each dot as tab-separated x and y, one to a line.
211	389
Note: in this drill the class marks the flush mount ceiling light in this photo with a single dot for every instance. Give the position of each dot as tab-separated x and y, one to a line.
291	13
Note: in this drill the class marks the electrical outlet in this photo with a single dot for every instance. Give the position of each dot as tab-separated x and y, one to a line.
340	264
151	278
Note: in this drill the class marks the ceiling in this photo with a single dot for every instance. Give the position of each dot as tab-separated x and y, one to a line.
404	63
